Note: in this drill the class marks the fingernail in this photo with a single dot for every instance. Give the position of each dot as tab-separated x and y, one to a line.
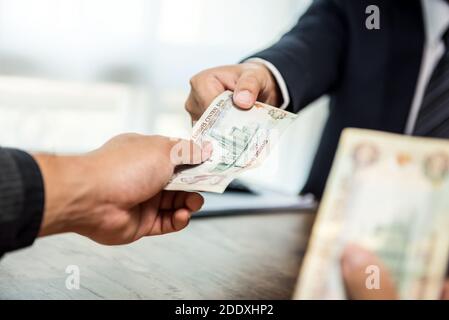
244	97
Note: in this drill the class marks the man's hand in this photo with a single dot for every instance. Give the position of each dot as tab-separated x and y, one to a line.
354	263
250	81
114	195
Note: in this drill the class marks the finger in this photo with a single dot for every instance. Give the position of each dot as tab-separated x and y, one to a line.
180	219
156	227
206	86
166	221
365	276
176	200
188	152
155	220
445	291
148	225
180	200
173	220
194	107
167	200
247	90
194	201
205	90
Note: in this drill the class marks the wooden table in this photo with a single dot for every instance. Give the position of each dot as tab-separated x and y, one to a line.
236	257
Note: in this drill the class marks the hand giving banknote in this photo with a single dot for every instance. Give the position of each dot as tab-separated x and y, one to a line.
390	194
241	139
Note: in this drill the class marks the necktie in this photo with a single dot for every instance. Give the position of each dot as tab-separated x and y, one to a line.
433	117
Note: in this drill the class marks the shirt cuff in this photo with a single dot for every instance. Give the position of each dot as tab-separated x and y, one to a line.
279	79
22	226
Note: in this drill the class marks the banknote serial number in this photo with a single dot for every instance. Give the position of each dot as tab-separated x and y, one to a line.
226	309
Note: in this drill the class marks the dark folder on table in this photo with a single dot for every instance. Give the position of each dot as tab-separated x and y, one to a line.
239	199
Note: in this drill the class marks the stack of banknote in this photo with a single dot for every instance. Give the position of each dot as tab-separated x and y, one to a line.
241	140
390	194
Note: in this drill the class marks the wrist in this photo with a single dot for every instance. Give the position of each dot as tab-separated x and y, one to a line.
67	192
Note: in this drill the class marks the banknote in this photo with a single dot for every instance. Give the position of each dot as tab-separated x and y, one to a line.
389	194
241	140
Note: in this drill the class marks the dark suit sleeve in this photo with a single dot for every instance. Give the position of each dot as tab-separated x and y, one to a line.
309	56
21	199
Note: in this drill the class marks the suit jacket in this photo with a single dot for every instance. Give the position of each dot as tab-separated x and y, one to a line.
370	75
21	199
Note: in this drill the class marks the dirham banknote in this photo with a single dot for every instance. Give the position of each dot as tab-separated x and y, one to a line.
241	139
389	194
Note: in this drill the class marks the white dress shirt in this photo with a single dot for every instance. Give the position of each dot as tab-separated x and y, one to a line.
436	22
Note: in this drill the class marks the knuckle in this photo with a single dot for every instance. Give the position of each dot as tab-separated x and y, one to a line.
257	69
198	78
249	81
250	78
193	81
127	136
188	106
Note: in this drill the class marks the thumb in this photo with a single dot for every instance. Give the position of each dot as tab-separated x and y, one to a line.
247	90
445	292
188	152
365	276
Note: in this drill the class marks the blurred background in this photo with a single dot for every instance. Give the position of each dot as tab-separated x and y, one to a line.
73	73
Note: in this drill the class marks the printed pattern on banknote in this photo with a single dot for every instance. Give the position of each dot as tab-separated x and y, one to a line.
241	140
390	194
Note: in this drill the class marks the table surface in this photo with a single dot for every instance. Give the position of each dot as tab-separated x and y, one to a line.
235	257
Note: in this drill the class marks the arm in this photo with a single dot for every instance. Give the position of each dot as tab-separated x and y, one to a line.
112	195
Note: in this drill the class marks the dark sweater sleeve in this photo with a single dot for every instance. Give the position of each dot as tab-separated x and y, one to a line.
21	199
309	56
